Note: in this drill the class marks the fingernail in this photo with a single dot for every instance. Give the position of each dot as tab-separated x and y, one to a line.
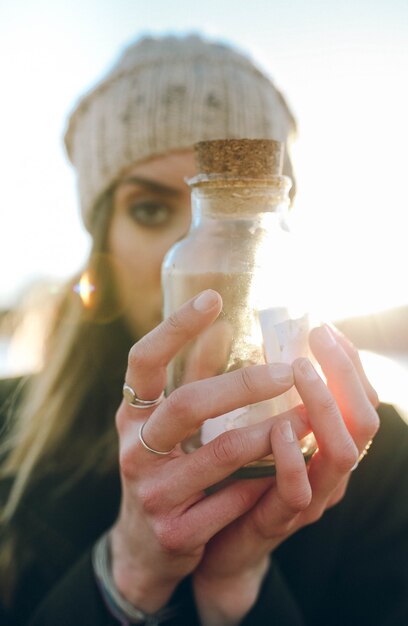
286	431
307	369
325	337
206	300
281	372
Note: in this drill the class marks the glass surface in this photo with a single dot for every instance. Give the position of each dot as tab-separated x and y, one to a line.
240	246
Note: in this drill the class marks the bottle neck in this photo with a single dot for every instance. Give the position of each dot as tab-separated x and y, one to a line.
239	199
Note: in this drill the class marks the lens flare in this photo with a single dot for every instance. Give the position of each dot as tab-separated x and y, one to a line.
84	288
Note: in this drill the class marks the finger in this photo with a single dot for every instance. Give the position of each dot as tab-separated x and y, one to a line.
149	357
338	492
274	513
354	355
347	388
326	491
217	460
182	413
337	452
223	507
277	511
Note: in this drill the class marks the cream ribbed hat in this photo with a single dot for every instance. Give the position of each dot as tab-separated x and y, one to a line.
166	94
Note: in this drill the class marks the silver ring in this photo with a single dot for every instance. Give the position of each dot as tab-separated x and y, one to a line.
362	455
144	444
131	398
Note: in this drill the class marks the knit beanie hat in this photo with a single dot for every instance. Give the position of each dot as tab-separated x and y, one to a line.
166	94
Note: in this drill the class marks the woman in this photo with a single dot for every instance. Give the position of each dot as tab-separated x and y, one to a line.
86	540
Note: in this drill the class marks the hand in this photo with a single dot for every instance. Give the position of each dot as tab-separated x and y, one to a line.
343	418
166	519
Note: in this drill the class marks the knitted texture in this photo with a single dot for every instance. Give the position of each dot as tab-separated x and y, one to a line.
166	94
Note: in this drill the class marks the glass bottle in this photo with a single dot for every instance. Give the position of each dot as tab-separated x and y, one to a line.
239	244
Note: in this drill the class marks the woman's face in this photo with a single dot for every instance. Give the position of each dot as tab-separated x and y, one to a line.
151	211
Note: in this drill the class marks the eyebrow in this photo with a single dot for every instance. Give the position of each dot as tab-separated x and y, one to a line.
149	184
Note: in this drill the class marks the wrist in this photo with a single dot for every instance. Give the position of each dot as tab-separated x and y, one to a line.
135	581
225	601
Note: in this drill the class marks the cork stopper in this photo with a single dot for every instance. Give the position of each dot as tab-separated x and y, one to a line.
248	158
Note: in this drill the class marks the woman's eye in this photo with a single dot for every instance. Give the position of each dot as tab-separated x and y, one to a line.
149	213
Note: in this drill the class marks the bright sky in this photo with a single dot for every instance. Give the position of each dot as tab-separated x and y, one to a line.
343	65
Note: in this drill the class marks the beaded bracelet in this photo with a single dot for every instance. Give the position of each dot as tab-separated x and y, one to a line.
120	608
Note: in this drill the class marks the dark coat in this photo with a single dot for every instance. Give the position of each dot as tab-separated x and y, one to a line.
349	568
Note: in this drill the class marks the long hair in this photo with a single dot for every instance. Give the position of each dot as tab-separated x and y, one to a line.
87	350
